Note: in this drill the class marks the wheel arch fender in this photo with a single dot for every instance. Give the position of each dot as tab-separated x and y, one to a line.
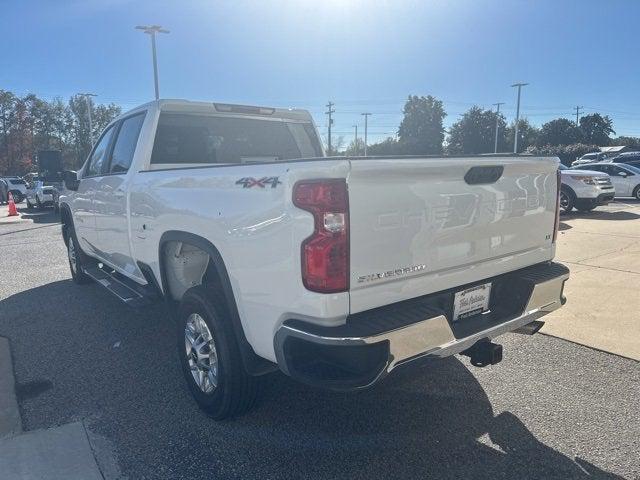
568	189
254	364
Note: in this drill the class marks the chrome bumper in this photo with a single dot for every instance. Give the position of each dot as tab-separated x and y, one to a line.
431	337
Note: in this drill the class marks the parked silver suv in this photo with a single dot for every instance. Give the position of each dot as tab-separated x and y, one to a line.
584	189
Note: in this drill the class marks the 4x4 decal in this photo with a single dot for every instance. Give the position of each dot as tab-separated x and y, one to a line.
249	182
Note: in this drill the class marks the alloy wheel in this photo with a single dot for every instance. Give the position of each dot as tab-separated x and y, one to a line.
202	356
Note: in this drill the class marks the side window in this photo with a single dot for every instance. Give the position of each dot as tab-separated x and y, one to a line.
125	145
99	154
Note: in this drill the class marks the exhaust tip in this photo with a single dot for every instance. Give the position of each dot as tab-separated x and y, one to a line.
530	328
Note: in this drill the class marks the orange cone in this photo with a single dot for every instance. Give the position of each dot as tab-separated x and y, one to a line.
13	212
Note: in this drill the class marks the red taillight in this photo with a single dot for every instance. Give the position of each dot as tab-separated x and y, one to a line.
325	254
557	224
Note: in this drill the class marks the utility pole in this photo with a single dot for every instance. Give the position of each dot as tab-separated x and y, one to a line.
355	143
515	139
330	111
152	30
87	99
578	112
366	117
495	147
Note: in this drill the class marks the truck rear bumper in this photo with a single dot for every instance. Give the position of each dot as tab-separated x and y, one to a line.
371	344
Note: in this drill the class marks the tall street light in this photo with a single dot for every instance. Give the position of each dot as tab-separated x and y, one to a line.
515	140
366	117
87	99
152	30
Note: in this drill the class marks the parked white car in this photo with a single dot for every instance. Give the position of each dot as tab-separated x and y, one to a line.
592	157
333	270
18	187
584	189
41	195
625	178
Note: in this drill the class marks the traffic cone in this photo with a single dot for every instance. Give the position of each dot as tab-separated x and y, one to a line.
13	212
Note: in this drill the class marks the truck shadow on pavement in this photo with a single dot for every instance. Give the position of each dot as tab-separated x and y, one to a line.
428	420
40	216
602	215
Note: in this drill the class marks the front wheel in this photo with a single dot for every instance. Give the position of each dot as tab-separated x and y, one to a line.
636	192
29	205
210	356
75	262
566	201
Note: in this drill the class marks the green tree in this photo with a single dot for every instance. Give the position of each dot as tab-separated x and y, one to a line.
389	146
7	117
527	135
566	153
421	131
356	148
79	136
475	132
560	131
632	142
596	129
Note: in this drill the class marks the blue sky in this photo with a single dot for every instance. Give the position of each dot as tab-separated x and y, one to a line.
363	55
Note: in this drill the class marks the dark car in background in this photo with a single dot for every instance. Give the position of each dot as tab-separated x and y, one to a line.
630	158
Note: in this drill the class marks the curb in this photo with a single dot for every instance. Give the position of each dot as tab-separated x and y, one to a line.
10	421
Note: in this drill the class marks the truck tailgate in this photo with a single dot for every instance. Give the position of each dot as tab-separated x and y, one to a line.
423	225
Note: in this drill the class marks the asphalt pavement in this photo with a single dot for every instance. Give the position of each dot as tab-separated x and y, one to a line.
551	409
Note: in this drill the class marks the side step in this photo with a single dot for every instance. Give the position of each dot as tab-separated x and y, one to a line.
128	291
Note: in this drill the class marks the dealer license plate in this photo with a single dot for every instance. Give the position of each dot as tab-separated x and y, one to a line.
471	301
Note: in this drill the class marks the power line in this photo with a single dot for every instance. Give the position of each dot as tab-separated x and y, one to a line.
366	117
515	139
495	148
578	108
329	112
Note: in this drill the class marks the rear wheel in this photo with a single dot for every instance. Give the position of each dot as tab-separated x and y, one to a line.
210	356
38	203
636	192
566	201
29	205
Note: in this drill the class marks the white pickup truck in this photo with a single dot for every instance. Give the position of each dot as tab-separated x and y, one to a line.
334	270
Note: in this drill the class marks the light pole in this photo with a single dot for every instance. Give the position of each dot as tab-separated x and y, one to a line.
495	147
87	99
152	30
366	117
355	143
515	139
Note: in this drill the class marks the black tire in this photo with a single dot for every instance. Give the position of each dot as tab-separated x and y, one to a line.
236	391
77	273
567	201
29	205
636	192
38	203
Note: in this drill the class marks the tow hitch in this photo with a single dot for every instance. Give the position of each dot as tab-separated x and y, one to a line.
484	353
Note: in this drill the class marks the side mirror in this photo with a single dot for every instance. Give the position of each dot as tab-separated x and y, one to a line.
70	179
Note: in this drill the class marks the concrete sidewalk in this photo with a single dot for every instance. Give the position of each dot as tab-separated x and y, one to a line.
58	453
602	249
